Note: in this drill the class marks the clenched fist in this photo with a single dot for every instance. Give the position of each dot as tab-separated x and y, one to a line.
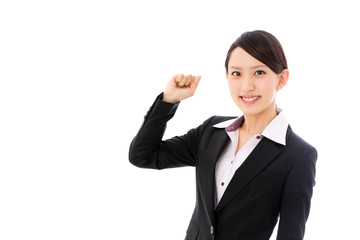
180	87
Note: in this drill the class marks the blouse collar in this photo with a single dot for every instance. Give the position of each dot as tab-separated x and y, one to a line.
275	131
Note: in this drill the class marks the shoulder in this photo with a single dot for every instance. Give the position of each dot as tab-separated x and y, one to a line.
297	144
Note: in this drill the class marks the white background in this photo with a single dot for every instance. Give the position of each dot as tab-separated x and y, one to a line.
77	77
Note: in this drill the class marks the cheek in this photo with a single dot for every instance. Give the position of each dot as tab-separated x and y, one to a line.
233	84
268	87
233	87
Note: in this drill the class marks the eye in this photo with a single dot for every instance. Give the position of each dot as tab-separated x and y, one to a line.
259	72
235	74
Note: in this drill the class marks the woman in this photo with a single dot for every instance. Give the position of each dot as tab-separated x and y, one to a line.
251	170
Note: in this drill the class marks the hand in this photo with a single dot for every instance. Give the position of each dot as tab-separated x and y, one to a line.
180	87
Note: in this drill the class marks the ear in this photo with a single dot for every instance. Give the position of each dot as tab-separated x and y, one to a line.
283	78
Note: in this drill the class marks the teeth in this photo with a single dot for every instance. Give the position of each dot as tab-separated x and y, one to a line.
250	99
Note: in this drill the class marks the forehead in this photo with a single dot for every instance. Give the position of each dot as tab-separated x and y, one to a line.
240	58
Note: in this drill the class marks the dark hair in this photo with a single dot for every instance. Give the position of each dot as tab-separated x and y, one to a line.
264	47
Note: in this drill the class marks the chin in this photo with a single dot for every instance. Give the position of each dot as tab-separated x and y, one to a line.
250	110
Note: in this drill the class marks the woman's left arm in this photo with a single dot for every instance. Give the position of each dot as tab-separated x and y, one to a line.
296	198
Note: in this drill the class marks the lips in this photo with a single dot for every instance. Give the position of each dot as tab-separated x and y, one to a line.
249	99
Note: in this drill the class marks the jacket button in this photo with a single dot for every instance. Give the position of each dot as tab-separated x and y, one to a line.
211	230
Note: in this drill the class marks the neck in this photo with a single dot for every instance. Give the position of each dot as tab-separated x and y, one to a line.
256	123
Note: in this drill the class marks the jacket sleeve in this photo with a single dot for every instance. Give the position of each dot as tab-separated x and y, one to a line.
296	198
148	150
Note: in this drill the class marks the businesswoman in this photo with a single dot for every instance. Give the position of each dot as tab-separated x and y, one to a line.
250	171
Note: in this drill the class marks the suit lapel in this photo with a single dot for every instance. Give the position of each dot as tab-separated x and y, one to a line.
206	176
263	154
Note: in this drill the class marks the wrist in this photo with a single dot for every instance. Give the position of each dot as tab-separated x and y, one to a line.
169	99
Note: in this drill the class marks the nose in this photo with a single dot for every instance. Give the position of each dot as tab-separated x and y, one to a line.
247	84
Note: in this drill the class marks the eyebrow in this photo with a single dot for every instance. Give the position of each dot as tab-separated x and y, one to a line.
257	66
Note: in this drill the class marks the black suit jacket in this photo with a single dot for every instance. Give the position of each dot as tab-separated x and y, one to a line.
274	180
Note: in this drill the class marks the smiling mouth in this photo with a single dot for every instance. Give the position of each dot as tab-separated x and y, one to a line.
249	100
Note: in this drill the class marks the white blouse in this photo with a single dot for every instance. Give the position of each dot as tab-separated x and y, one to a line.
228	162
